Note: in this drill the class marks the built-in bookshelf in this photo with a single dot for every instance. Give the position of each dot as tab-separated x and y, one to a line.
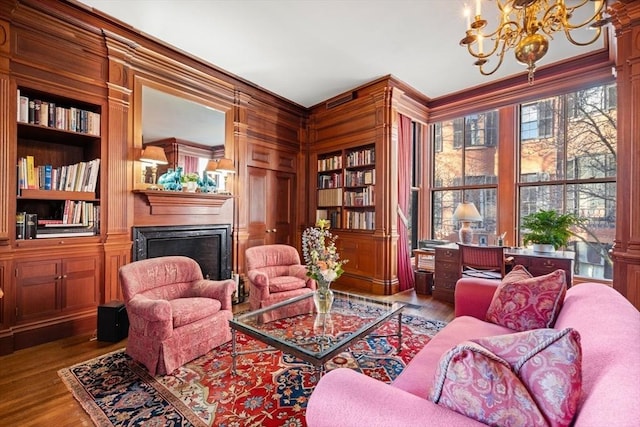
57	166
346	188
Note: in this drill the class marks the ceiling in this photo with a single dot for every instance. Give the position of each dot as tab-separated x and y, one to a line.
308	51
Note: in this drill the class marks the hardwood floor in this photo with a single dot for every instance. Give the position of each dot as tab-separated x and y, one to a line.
32	394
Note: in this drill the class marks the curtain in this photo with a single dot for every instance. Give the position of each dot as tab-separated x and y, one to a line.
405	271
190	164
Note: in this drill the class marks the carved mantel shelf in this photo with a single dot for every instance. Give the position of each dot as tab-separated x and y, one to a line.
183	203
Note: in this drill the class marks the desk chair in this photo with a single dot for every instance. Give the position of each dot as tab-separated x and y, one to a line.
487	262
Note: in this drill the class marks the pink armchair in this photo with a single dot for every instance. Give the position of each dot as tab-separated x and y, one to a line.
275	274
174	314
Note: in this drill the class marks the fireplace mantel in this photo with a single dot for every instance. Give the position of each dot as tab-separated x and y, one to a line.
175	202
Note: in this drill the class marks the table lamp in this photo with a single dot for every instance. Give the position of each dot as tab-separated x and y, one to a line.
155	156
466	213
226	166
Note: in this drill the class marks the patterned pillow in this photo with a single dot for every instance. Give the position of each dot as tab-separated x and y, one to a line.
530	303
549	364
517	273
527	378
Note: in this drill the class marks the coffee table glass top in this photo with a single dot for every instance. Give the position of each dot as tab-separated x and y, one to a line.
295	327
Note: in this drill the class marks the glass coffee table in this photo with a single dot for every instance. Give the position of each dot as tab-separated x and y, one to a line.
294	327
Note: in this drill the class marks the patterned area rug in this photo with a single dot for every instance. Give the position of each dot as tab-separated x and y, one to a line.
270	388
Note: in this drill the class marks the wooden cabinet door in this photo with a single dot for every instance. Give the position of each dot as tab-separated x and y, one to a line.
80	283
271	205
37	289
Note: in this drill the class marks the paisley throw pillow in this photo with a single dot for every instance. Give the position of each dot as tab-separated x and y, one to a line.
529	303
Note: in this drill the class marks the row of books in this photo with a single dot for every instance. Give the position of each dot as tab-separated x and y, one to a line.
360	178
81	220
82	176
364	197
332	180
333	215
330	197
47	113
361	158
360	220
330	163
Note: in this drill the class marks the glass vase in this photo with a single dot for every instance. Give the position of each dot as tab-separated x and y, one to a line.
323	297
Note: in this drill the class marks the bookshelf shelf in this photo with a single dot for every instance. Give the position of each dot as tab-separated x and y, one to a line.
28	194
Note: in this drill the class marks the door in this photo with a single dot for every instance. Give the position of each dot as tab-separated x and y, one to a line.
271	205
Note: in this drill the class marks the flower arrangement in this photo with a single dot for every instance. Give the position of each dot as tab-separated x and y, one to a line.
319	252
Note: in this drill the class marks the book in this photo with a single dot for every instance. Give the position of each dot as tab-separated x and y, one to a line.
23	109
47	177
20	230
37	104
30	225
31	173
84	233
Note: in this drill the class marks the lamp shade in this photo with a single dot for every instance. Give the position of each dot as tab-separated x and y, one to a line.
226	165
153	154
212	165
466	211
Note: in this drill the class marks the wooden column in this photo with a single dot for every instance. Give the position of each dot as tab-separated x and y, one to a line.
626	250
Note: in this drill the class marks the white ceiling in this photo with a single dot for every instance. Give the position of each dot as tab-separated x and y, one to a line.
308	51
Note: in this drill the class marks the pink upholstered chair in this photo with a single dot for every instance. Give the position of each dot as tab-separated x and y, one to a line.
275	274
174	314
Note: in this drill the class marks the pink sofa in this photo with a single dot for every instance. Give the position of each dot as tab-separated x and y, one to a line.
609	327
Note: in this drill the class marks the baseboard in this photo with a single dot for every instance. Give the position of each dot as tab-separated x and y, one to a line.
29	336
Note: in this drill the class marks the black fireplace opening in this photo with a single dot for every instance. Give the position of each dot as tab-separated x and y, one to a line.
208	245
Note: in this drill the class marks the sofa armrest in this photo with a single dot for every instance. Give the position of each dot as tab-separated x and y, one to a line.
150	317
473	297
299	271
258	279
221	290
347	398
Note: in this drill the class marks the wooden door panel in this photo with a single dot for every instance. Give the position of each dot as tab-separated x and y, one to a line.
80	283
257	204
37	300
284	209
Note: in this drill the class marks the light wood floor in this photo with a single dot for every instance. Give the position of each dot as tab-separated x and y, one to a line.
32	394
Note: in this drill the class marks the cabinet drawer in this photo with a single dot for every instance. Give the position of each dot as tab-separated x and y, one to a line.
448	267
447	255
446	284
540	266
447	275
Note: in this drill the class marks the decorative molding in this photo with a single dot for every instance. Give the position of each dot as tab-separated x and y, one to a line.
183	203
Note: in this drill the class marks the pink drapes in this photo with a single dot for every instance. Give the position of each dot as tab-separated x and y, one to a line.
405	271
190	164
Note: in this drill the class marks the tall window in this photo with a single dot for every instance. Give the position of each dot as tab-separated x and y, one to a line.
465	169
568	163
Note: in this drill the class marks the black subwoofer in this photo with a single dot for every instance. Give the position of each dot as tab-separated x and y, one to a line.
113	323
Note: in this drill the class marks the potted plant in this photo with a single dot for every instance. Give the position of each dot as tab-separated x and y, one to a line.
191	179
548	230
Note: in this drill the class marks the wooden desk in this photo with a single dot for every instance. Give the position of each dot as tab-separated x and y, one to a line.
448	269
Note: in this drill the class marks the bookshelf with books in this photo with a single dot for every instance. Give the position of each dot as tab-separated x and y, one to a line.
346	188
359	188
330	188
58	161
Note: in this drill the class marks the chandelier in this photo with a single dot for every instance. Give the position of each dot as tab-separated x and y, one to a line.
526	26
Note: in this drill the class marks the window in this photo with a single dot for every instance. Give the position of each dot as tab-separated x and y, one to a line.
465	170
573	169
536	120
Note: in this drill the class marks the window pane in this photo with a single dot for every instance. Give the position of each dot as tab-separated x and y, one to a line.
592	136
448	162
597	203
444	204
540	197
542	147
485	201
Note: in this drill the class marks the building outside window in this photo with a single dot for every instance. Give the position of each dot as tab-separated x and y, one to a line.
570	166
465	169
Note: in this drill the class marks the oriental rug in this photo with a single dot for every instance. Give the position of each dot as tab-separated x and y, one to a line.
271	388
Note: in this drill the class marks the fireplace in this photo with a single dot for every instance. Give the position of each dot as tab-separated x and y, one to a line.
209	245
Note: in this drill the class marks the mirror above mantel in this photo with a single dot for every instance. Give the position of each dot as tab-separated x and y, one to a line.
191	128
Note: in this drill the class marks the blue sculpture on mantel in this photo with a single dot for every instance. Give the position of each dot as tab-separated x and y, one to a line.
170	180
206	184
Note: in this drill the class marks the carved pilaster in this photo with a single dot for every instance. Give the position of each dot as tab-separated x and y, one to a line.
7	126
626	251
